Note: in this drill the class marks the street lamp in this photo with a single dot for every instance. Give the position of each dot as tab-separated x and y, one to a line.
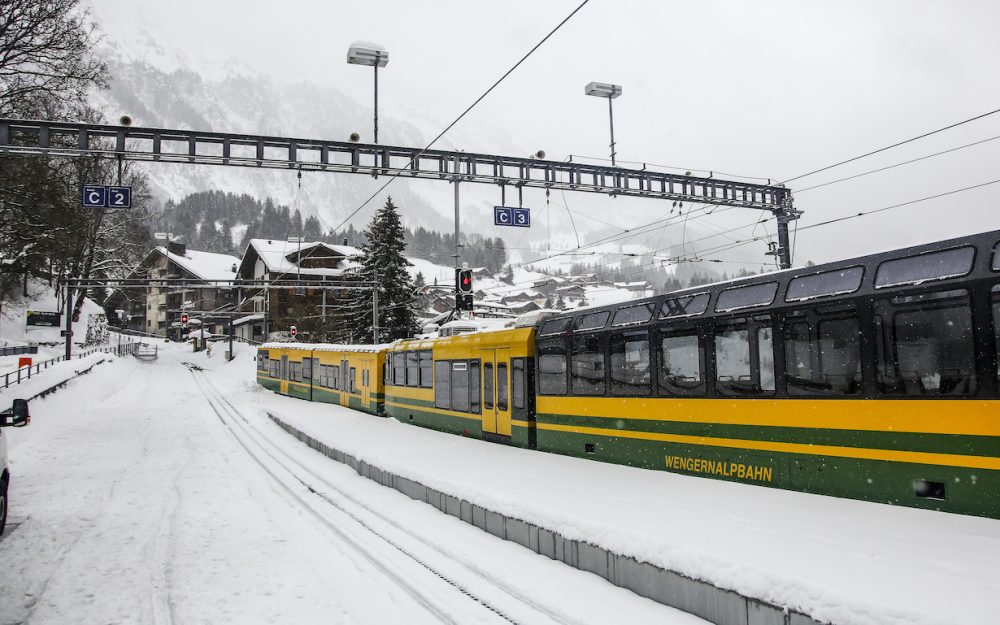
373	55
605	90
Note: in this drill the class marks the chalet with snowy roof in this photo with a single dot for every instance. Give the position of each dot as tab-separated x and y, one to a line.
284	263
157	310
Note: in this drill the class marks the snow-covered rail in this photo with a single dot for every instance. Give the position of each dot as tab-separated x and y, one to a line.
431	573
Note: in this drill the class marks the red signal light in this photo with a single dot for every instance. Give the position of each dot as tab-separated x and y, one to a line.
184	318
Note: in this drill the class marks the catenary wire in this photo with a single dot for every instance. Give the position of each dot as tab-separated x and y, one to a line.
894	145
914	160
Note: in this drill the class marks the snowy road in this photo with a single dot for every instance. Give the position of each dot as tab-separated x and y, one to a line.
141	494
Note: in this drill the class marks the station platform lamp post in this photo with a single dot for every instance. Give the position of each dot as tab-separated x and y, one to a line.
609	91
372	55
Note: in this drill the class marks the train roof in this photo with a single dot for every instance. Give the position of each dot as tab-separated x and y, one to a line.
758	293
325	347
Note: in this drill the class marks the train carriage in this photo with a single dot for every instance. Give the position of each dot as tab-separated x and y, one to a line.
477	384
875	379
349	375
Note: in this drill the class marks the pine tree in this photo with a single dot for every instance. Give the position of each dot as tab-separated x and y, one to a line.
383	262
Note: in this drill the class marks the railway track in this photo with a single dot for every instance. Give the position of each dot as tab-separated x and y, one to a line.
435	576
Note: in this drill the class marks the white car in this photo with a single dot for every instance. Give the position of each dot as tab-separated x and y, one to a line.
17	416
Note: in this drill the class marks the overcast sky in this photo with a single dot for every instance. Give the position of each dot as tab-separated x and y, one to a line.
767	89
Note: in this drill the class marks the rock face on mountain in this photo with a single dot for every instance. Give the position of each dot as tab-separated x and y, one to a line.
155	94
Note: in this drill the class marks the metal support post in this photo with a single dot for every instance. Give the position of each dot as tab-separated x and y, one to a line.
611	116
375	314
376	102
458	263
231	332
69	323
784	215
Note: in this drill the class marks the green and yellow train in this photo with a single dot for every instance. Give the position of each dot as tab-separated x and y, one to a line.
875	378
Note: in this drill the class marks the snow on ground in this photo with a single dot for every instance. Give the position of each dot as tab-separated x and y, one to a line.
134	500
842	561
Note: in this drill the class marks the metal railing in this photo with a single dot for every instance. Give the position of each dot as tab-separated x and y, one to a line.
25	373
23	349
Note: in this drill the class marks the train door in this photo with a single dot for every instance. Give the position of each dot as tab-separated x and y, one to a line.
496	391
345	389
365	381
284	375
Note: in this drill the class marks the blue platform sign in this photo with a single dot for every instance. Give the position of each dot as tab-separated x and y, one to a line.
522	217
508	216
502	216
103	196
94	196
119	197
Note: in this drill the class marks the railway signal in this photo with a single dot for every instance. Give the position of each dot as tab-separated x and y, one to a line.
463	288
184	318
293	330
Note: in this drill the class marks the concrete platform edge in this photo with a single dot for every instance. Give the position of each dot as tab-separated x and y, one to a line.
700	598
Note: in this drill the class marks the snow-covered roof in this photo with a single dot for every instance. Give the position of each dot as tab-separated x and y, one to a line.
248	319
279	256
207	266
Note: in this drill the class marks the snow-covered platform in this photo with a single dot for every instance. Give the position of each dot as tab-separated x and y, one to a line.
729	553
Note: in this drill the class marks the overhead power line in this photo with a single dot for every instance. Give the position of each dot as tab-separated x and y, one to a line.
913	160
894	145
464	113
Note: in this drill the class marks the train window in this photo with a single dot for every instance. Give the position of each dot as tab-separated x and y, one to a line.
926	348
399	368
633	314
996	258
460	386
488	386
682	365
587	365
321	375
629	363
765	359
684	306
555	326
931	266
426	369
354	375
474	388
274	364
442	384
517	382
746	297
823	358
502	386
837	282
592	321
738	371
412	369
307	368
387	369
262	361
996	323
552	368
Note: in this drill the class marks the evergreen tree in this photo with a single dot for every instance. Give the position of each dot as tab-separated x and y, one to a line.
383	263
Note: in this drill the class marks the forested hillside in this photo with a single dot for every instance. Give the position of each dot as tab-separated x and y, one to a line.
214	221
